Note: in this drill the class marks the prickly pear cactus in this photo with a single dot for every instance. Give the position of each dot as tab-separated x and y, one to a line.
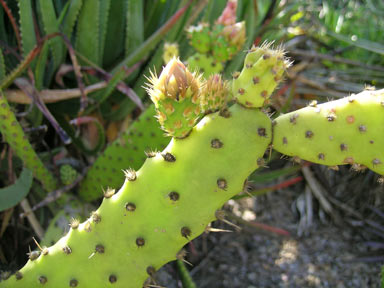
67	174
13	134
263	69
200	37
161	207
344	131
128	150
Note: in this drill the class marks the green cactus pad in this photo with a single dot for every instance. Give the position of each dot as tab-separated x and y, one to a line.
128	150
13	133
167	203
220	49
200	37
205	64
344	131
262	71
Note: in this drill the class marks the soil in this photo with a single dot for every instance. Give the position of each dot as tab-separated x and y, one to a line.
321	254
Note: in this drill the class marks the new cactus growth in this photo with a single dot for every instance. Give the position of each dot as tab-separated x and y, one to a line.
345	131
170	51
215	94
263	69
176	97
200	37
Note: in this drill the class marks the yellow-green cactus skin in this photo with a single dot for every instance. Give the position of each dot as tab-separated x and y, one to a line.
262	71
344	131
204	64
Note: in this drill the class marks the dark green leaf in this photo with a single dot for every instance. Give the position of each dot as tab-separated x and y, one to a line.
13	194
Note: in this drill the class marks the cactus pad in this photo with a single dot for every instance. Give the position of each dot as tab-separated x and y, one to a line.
205	64
67	174
200	37
344	131
167	203
262	71
127	150
13	133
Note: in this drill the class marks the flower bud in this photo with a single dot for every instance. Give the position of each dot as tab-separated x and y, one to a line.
214	94
175	94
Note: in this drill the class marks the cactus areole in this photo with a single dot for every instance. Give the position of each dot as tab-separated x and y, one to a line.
178	191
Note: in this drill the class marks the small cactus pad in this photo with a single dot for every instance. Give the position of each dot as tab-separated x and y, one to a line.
344	131
262	72
161	207
205	64
214	95
128	150
227	40
175	94
200	37
67	174
171	50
